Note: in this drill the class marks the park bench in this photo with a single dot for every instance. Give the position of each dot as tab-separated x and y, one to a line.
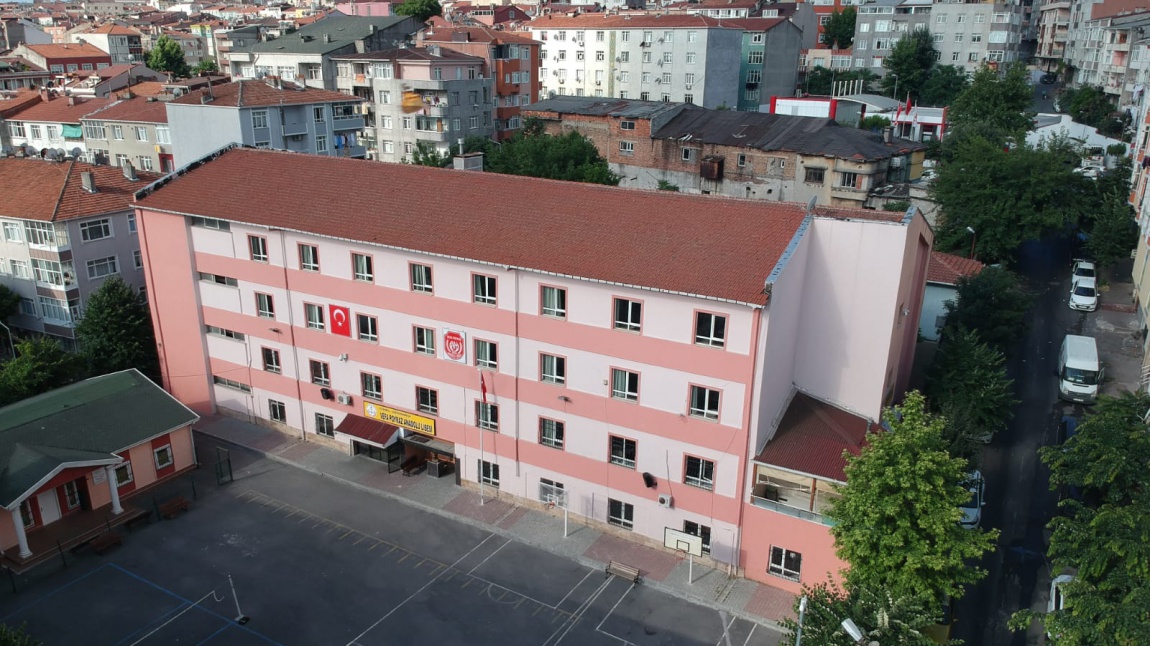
411	465
105	542
623	571
173	507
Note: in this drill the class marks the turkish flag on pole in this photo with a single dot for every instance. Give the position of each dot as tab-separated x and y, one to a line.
483	387
340	320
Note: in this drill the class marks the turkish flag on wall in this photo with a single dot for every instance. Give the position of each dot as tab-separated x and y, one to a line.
340	320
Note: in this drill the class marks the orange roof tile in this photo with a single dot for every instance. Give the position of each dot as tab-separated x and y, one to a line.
248	94
605	21
52	191
58	111
946	269
812	437
479	35
138	109
22	100
69	51
653	239
113	29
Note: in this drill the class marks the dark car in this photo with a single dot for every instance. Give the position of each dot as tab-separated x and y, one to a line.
1048	78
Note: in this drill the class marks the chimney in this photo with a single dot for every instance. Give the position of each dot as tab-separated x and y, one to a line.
45	94
71	100
887	134
327	38
470	161
88	179
130	172
433	50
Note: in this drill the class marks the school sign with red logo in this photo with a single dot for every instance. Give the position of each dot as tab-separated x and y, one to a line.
454	345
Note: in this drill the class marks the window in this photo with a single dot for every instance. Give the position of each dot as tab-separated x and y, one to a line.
710	329
848	180
55	309
484	289
163	135
699	473
372	385
321	143
132	223
102	267
13	232
421	278
690	58
27	307
320	373
368	328
486	354
50	272
755	57
258	246
314	316
646	77
489	473
20	269
318	114
324	425
118	132
123	474
624	384
815	175
626	148
624	57
644	96
277	411
95	230
554	302
271	360
487	416
259	119
265	307
785	563
122	160
553	369
361	267
211	223
94	130
385	96
620	514
137	259
34	132
551	433
704	403
549	490
623	452
427	400
163	457
425	340
628	314
308	257
689	154
141	133
702	531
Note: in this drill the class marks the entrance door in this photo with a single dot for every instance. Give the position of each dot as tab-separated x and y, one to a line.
394	457
49	507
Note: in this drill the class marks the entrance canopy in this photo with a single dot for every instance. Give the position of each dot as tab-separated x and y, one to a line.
368	430
429	444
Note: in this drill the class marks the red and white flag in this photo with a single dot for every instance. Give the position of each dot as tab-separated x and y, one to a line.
483	387
340	320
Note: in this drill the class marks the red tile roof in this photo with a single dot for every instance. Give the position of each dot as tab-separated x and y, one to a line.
812	437
52	191
1115	8
69	51
946	269
113	30
21	101
58	111
138	109
692	244
372	430
479	35
248	94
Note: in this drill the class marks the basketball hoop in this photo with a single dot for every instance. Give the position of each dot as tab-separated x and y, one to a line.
550	504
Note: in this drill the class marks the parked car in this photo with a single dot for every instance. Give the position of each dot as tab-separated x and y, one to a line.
972	508
1067	429
1083	269
1090	172
1048	78
1084	295
1057	600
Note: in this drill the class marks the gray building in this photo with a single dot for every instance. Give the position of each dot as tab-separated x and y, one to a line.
455	95
267	113
132	131
306	55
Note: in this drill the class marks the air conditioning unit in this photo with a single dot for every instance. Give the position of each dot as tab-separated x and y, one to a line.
688	86
618	59
344	399
666	500
660	62
598	82
658	81
660	41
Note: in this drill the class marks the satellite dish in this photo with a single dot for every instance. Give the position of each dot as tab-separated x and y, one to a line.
551	94
60	153
6	150
51	154
44	153
76	152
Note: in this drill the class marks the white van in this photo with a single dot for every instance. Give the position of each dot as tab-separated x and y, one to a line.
1079	372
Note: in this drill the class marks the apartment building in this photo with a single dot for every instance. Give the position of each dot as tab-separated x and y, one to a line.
267	113
15	30
307	55
624	380
1140	192
64	228
773	157
420	94
130	132
681	58
1101	49
62	59
1053	27
123	44
53	124
513	61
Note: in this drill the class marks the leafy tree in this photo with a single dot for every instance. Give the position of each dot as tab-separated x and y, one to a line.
994	106
421	10
839	31
909	64
10	636
168	56
1087	104
1113	232
9	303
968	385
821	80
664	185
992	304
944	85
205	67
1109	456
116	331
881	617
534	153
898	206
40	365
426	154
873	122
897	521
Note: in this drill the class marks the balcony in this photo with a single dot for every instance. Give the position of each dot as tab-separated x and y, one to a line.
355	152
772	505
348	123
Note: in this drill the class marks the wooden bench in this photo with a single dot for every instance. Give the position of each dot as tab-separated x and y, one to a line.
411	465
105	542
173	507
623	571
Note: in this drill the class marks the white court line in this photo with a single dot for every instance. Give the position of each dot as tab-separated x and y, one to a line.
599	628
417	592
726	637
572	590
489	556
753	627
570	622
157	629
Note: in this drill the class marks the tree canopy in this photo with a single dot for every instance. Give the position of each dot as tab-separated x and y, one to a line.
40	365
205	67
909	65
534	153
115	332
821	80
991	303
10	636
944	84
426	154
897	521
881	617
168	56
967	384
421	10
839	30
1113	230
9	303
994	106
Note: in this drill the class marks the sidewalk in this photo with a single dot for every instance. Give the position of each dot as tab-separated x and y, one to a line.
666	572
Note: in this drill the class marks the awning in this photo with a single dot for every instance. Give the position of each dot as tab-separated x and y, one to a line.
72	132
429	444
368	430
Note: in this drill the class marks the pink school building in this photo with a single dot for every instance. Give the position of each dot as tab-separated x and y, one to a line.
659	360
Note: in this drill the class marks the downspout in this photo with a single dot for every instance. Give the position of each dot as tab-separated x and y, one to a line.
752	401
517	463
291	337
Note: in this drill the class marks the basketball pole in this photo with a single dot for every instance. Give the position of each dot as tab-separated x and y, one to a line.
690	568
241	618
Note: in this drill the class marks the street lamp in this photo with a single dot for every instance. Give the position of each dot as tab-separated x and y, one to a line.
802	612
895	95
856	634
973	241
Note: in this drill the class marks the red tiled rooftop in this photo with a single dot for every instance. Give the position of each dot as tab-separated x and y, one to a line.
255	93
479	35
812	437
52	191
68	51
21	101
371	430
113	29
692	244
946	269
58	111
138	109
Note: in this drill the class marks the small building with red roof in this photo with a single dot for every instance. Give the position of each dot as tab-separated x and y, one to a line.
62	59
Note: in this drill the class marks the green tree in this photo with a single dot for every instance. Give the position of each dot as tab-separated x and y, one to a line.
425	154
897	521
40	365
205	67
821	80
532	152
897	206
10	636
168	56
1087	104
944	85
1113	231
664	185
992	304
909	64
968	385
839	31
994	106
9	303
421	10
880	616
116	331
874	122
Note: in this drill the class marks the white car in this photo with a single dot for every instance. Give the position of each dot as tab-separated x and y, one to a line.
1090	172
972	508
1083	269
1084	295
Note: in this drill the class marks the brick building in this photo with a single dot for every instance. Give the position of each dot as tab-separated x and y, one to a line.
62	59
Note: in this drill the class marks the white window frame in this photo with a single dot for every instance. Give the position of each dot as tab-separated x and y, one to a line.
421	279
553	302
709	331
487	416
94	230
308	257
551	432
363	267
699	472
621	385
628	314
483	289
620	514
371	333
160	462
552	369
486	354
423	340
313	314
623	443
704	402
778	564
371	386
427	400
489	473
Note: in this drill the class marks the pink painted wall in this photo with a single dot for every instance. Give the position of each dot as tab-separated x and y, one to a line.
763	529
912	287
364	8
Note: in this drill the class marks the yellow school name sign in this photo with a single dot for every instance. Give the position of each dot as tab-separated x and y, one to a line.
402	419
